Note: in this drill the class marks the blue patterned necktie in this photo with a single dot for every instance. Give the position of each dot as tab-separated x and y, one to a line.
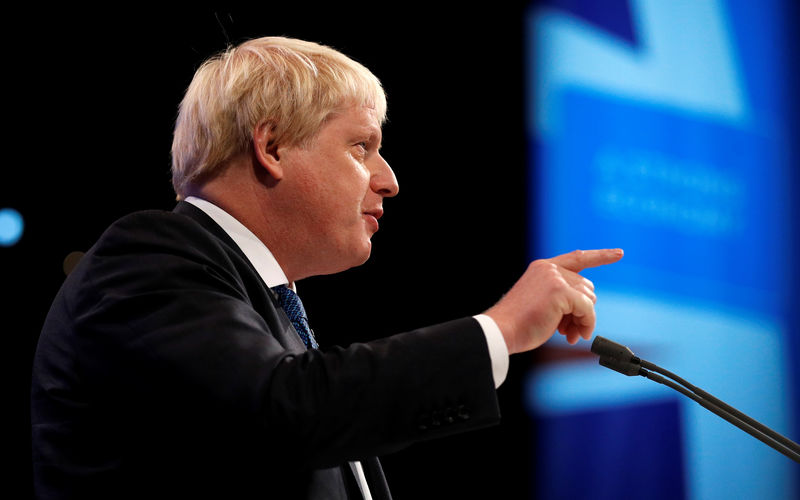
294	309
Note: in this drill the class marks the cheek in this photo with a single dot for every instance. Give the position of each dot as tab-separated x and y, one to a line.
334	190
348	190
332	210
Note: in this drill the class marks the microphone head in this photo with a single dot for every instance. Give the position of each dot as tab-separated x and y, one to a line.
624	367
616	356
608	349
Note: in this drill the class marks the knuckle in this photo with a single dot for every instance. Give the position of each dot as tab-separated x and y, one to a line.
542	266
555	278
538	263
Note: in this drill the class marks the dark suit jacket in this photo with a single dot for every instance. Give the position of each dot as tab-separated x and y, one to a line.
166	369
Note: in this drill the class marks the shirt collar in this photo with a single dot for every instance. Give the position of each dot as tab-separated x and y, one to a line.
254	249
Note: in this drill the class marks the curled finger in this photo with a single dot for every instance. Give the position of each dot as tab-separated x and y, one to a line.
580	321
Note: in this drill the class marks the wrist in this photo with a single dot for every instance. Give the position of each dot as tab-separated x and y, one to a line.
505	330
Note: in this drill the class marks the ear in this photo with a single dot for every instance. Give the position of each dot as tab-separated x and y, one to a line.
266	150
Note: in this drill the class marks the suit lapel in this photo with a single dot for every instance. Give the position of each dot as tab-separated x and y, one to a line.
270	309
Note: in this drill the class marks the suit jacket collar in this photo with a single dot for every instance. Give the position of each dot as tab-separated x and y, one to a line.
194	213
256	251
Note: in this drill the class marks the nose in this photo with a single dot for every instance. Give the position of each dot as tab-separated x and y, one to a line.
383	180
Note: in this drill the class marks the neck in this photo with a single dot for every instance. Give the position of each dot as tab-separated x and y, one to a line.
258	206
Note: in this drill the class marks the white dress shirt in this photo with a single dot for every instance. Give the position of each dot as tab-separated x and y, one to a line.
271	273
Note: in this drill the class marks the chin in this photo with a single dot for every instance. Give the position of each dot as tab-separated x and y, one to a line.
363	255
360	254
351	259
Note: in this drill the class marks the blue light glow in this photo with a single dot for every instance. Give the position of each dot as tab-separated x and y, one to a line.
11	227
673	145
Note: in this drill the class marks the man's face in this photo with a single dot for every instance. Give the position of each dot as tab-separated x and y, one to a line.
340	180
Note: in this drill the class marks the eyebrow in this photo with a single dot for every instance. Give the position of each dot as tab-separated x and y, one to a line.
372	132
371	129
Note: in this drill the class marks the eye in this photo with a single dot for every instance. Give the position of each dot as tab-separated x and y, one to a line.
361	148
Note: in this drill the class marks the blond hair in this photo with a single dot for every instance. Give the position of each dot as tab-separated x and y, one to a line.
293	85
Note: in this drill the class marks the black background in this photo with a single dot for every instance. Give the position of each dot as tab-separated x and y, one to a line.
90	103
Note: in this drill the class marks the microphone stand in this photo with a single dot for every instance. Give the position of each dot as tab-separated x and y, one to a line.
621	359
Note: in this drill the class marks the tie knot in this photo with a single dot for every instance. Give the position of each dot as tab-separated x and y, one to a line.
290	302
296	313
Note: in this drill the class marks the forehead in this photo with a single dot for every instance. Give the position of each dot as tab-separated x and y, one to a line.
354	119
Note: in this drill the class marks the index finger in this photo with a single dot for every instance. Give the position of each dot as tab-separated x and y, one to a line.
578	260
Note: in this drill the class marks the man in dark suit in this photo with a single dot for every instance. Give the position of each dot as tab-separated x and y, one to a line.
176	361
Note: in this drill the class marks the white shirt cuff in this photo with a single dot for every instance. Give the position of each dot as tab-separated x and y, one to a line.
498	350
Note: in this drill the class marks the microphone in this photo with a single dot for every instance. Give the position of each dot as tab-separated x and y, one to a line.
616	356
621	359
